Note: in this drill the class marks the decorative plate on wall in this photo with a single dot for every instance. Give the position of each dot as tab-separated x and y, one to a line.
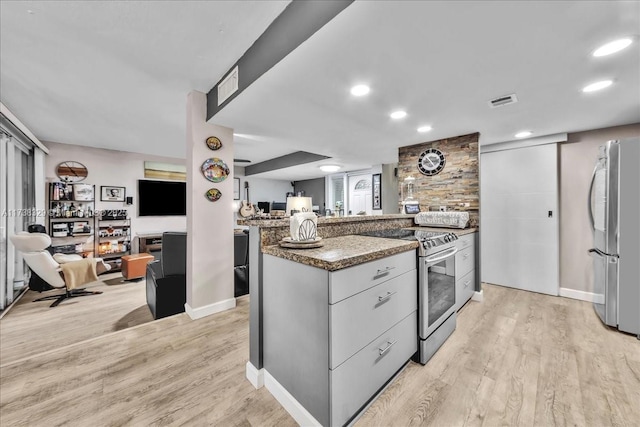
213	194
214	143
215	170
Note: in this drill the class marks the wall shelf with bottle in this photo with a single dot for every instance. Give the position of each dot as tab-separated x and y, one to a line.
71	210
113	239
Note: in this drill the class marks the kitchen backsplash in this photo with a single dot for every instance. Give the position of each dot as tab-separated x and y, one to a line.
456	187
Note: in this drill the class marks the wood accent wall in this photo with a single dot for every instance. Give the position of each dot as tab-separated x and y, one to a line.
456	185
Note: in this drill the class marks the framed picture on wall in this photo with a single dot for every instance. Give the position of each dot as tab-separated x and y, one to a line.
236	188
112	194
83	192
377	191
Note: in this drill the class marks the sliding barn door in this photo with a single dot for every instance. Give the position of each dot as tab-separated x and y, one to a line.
519	218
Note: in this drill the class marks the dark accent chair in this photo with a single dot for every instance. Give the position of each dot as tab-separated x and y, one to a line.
167	278
241	264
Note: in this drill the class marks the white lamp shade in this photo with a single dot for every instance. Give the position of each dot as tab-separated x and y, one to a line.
300	204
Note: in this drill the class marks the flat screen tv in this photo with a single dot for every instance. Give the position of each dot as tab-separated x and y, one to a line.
162	198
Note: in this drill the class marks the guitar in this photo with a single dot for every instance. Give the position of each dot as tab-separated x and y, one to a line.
247	209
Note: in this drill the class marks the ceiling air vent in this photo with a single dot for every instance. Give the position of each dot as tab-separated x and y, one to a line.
228	86
503	100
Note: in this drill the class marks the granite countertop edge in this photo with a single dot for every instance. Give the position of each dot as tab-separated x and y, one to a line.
315	260
316	257
284	222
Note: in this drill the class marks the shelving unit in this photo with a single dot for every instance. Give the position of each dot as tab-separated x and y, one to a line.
113	239
71	209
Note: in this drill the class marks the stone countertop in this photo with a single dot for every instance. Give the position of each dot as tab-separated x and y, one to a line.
344	251
267	223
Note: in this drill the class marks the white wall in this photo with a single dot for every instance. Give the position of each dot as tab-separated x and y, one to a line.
210	226
577	159
115	168
261	189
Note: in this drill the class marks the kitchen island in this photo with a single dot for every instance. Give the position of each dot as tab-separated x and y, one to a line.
339	322
331	326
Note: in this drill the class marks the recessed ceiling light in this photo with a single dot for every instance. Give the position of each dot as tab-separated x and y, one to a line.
523	134
597	86
423	129
612	47
398	114
329	168
360	90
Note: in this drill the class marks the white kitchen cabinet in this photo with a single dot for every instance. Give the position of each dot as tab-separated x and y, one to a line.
333	339
465	269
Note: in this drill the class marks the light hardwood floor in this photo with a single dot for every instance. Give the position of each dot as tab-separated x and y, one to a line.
30	328
518	358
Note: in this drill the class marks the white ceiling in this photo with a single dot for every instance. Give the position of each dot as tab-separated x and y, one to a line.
116	74
442	62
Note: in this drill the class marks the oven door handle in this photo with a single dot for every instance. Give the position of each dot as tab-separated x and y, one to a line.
440	257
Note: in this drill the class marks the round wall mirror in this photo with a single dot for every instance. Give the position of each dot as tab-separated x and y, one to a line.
71	171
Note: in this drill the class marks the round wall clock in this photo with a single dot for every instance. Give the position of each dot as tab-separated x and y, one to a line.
431	162
71	171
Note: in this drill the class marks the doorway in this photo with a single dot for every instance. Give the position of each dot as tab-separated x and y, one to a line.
17	205
519	220
360	194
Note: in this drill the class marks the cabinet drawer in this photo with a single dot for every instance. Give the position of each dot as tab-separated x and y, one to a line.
349	281
465	287
465	241
465	261
359	378
357	320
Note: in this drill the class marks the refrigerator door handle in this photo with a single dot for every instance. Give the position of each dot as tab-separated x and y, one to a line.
602	254
593	179
596	251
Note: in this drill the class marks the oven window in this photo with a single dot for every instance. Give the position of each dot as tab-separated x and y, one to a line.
442	289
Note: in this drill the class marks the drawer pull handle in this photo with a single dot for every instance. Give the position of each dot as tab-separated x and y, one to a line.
386	297
467	283
385	271
465	256
387	348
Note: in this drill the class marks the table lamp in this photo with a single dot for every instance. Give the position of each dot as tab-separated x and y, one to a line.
298	204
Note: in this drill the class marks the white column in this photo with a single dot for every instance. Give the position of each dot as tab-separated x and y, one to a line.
209	224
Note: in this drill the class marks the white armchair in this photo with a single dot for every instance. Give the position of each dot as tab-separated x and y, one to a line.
34	251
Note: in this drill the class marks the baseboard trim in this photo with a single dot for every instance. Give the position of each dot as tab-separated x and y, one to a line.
14	302
208	310
581	295
255	375
288	402
478	296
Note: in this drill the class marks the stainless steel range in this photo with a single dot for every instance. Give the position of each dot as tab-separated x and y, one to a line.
436	285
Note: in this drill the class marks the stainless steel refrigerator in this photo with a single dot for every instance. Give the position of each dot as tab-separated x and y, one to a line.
614	210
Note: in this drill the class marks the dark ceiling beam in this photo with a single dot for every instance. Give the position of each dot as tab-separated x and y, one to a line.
297	22
293	159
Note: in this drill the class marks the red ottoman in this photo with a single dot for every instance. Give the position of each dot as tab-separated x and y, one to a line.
135	266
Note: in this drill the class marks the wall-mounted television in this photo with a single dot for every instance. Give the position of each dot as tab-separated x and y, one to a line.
162	198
